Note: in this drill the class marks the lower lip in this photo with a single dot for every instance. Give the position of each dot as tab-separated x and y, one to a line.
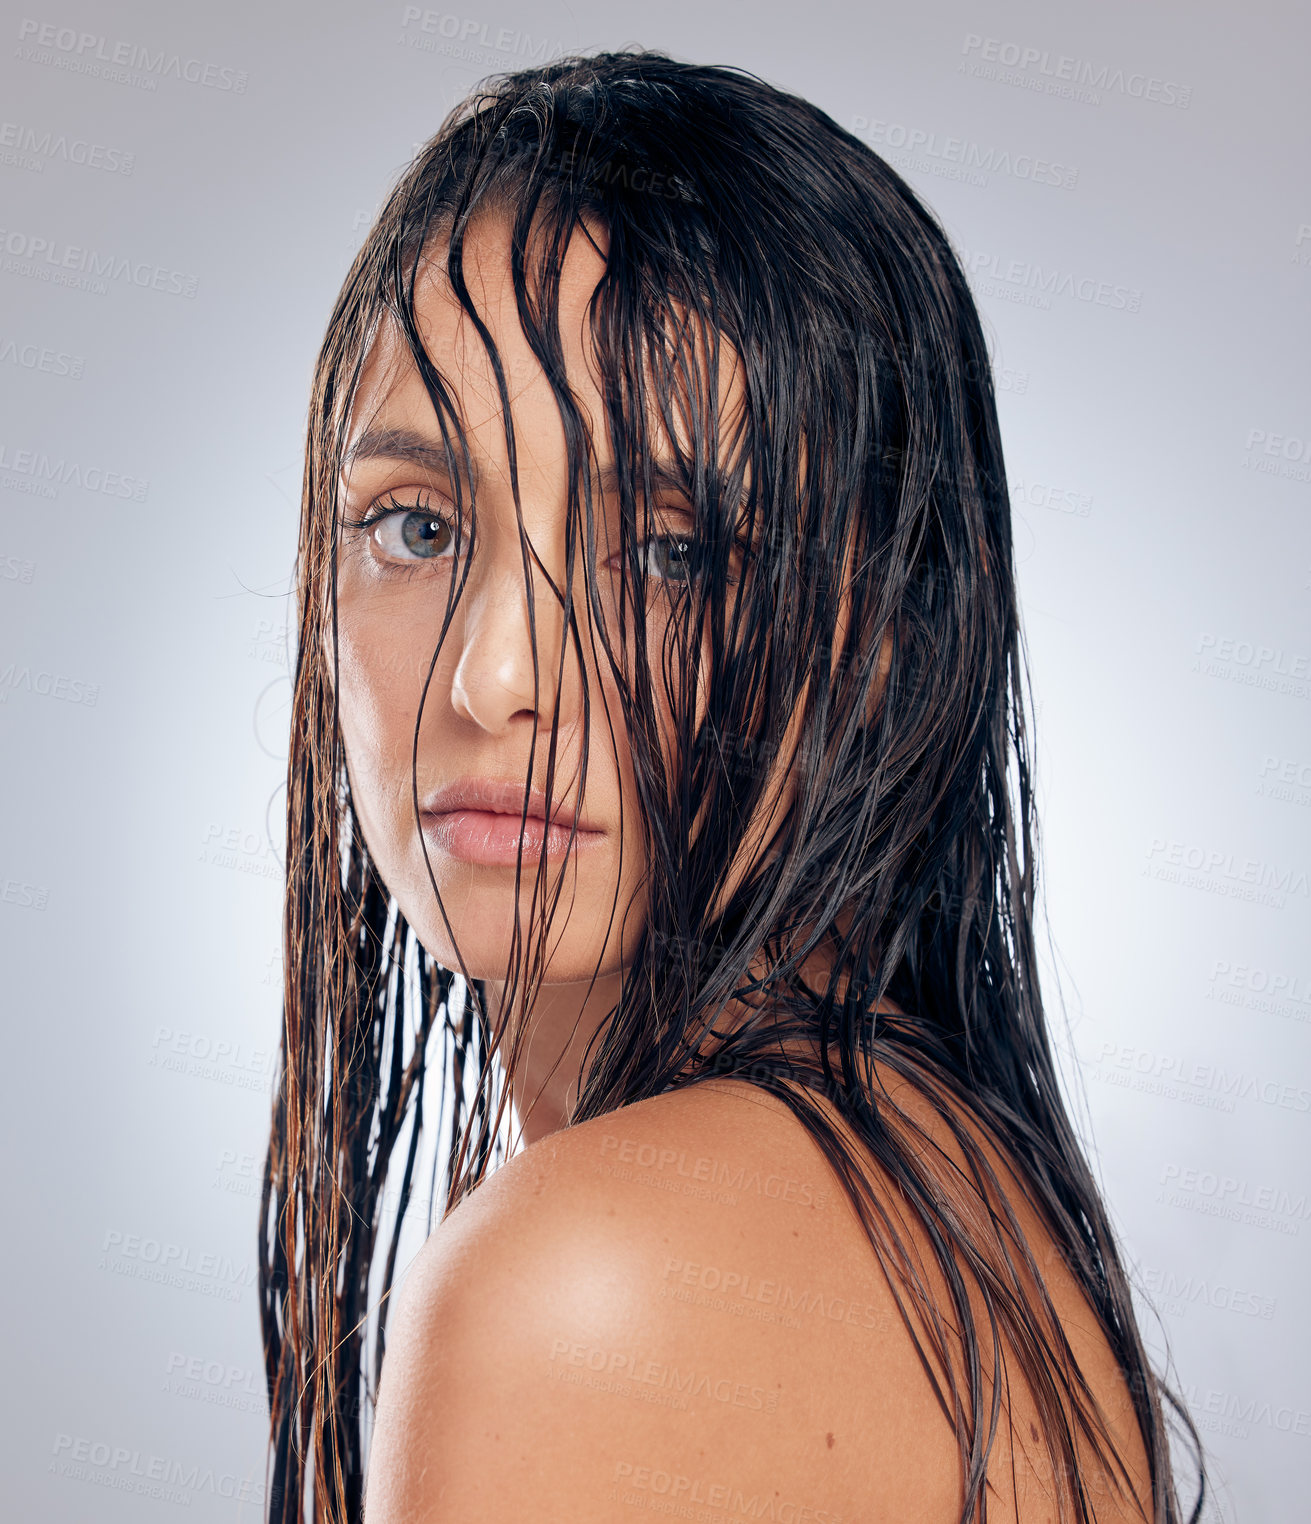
479	836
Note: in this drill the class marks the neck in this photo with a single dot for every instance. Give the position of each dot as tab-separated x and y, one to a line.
551	1047
545	1071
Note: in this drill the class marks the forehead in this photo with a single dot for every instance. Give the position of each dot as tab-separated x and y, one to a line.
392	397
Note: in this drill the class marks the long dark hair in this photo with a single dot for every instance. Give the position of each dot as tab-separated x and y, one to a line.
868	437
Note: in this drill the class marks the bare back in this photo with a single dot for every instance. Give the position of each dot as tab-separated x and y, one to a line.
860	1361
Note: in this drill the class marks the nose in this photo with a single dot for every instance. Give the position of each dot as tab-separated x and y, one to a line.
493	683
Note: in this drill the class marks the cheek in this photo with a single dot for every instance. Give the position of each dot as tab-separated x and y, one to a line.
383	665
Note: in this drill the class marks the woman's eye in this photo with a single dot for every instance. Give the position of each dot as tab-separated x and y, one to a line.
682	558
410	532
672	555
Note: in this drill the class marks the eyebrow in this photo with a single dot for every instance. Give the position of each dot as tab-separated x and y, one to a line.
399	444
419	450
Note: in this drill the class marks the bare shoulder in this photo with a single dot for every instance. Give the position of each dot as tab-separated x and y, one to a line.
654	1306
671	1304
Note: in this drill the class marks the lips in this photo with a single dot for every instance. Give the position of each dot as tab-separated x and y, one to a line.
478	820
499	796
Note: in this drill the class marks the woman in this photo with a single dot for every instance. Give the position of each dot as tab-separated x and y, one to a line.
760	1195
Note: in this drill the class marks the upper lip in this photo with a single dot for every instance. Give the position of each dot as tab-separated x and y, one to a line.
501	796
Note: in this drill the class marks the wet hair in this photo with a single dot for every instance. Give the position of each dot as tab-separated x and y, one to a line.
734	215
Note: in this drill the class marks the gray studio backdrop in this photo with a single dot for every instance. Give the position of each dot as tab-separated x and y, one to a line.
181	191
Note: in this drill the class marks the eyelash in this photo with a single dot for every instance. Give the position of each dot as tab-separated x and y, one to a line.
389	507
377	514
393	507
698	545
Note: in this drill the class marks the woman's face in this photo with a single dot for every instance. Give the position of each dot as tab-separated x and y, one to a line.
483	714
